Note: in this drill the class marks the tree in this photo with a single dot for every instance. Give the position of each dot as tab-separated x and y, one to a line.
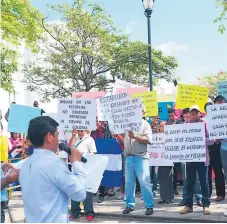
86	52
18	23
222	17
210	82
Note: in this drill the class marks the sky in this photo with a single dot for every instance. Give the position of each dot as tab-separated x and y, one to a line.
180	28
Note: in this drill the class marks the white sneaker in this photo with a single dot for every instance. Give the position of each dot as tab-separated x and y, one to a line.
225	214
121	197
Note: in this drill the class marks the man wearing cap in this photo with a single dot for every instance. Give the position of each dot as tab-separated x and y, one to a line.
200	167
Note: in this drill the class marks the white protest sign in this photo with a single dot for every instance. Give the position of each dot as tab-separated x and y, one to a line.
217	121
124	84
127	116
185	142
106	103
156	151
79	114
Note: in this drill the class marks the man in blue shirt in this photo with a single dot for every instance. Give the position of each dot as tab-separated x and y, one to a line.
11	176
46	181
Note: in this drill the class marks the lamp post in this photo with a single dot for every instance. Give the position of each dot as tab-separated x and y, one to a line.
148	5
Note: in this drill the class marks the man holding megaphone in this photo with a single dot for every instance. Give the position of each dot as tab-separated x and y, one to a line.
46	181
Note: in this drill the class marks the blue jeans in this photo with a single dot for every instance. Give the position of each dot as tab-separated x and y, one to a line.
192	169
135	165
197	188
154	178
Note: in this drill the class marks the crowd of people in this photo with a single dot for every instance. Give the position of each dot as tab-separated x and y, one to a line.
138	175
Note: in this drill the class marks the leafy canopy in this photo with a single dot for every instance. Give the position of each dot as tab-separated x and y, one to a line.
86	52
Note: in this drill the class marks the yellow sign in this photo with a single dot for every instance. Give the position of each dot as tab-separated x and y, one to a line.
4	147
150	102
188	95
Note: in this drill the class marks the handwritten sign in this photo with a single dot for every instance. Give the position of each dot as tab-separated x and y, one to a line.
79	114
163	108
217	121
121	112
150	103
20	116
130	91
221	88
188	95
88	95
156	151
185	142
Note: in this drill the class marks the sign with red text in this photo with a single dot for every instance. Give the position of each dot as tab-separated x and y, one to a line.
156	151
88	95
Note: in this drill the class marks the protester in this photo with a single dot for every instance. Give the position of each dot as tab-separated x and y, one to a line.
137	164
46	182
197	189
15	149
201	167
216	166
102	131
36	104
120	138
153	169
165	176
86	145
11	176
29	147
7	113
177	166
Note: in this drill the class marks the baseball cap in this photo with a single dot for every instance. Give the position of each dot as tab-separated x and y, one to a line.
194	107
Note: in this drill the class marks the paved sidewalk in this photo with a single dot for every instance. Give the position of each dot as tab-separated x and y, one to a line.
112	208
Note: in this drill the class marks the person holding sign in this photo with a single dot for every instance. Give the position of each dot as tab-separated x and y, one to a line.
85	144
201	167
165	176
46	182
137	163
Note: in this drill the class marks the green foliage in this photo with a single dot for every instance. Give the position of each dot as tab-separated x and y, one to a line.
86	52
19	22
221	19
210	82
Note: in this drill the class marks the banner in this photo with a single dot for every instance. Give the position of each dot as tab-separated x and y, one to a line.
111	148
163	108
221	88
217	121
185	142
150	102
20	116
156	151
188	95
79	114
88	95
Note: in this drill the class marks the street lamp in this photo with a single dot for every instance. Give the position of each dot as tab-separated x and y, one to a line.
148	5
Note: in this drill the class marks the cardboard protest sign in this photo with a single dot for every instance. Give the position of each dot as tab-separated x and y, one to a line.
121	112
221	88
156	151
4	147
185	142
79	114
106	103
88	95
150	102
188	95
217	121
163	108
20	116
130	91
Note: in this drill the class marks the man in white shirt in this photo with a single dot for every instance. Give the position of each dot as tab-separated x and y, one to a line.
85	144
46	182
